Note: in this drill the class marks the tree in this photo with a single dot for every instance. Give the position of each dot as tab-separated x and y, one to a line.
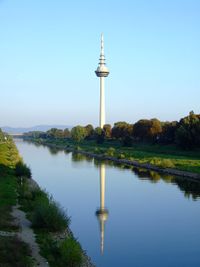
55	133
147	130
107	130
22	170
99	135
66	133
122	129
168	132
51	133
89	131
1	136
188	132
78	133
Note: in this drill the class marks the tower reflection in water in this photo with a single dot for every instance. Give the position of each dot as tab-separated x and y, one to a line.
102	212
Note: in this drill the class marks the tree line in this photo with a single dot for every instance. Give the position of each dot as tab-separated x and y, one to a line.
185	133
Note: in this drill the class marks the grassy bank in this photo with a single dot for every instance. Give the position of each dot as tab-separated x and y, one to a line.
163	156
51	225
20	256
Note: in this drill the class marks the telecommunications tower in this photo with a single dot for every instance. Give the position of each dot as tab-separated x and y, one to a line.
102	72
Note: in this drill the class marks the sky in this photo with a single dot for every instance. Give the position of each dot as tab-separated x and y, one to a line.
49	51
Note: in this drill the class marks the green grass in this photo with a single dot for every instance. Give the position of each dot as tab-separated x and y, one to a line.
63	253
8	186
14	252
42	210
48	219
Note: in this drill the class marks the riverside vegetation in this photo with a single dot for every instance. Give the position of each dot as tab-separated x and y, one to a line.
163	144
49	220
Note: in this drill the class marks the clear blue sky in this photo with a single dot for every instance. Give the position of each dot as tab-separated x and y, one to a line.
49	51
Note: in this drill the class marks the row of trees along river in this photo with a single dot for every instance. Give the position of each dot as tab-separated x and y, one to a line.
184	133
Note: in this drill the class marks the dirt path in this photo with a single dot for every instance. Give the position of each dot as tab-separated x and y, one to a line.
28	236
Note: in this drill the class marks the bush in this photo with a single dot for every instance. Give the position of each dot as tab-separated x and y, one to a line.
77	148
71	254
110	152
121	156
96	150
127	141
163	163
48	214
21	170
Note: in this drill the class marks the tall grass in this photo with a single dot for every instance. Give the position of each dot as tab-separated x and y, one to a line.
49	215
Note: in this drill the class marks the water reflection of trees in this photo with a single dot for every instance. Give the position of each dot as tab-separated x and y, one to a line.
190	188
54	150
76	157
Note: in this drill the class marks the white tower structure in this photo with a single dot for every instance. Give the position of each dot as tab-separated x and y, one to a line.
102	72
102	212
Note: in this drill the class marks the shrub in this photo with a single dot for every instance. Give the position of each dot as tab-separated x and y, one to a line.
71	254
77	148
96	150
48	214
127	141
121	156
167	163
22	170
110	152
163	163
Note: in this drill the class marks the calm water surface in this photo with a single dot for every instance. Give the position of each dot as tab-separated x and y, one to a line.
141	218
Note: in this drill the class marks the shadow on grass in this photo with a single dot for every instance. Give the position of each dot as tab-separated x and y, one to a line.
8	196
14	252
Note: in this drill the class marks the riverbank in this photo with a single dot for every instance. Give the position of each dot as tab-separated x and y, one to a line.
10	239
51	226
180	163
26	208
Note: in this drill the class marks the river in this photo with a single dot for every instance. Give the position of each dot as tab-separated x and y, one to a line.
123	217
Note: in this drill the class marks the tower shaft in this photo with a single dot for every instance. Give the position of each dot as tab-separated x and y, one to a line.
102	103
102	187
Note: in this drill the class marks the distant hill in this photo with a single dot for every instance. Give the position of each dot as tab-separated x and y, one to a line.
42	128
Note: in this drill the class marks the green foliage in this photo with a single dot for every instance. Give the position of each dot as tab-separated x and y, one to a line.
55	133
66	133
168	132
14	252
77	148
164	163
127	141
107	130
7	196
2	137
21	170
121	156
35	134
78	133
96	150
89	131
70	253
147	130
60	253
122	129
47	214
110	152
188	132
99	135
